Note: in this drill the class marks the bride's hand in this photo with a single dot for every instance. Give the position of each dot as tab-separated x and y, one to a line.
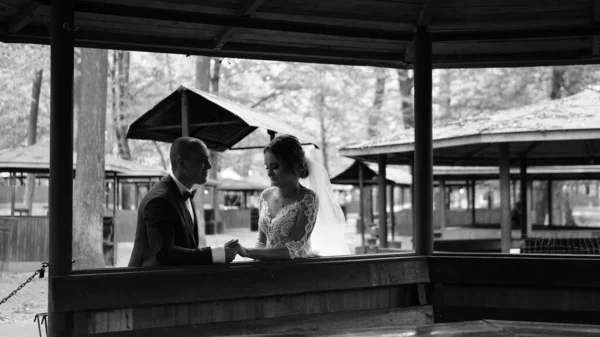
241	250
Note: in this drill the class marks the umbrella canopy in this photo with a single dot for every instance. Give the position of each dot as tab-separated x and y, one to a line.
350	176
216	121
557	132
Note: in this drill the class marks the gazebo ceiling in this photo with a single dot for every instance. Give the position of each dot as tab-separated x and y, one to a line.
558	132
465	33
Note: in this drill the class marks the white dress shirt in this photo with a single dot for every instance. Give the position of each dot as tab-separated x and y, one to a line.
218	253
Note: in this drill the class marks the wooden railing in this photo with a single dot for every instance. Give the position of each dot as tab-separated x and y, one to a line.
525	288
249	297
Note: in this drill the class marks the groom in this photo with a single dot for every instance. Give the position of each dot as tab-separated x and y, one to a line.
167	228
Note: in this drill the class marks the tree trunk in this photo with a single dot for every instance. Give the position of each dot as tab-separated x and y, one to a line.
162	156
120	91
558	81
374	114
405	85
169	71
320	102
202	82
202	78
88	186
445	95
32	134
216	156
215	75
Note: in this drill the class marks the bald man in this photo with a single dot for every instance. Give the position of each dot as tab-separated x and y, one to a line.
167	228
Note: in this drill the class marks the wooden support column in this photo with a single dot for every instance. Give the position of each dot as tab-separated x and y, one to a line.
391	202
271	134
381	201
529	204
505	228
524	201
185	114
115	184
13	192
412	202
60	201
549	191
361	205
442	205
472	201
423	171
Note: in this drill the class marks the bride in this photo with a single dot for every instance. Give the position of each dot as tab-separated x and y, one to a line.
296	221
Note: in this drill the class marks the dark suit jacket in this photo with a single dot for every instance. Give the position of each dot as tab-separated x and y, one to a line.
166	234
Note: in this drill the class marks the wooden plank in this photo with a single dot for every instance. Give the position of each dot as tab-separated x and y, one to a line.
543	298
262	308
87	291
460	314
319	323
547	329
232	21
516	270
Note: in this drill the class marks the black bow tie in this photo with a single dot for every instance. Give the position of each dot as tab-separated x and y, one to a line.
189	194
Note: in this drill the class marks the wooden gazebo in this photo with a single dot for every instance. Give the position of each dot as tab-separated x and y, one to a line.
556	132
315	294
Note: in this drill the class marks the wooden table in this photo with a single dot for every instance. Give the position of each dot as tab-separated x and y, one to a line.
487	328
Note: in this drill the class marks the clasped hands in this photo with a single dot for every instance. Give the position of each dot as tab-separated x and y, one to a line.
232	248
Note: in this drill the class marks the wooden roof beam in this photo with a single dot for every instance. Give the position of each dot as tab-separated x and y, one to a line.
250	7
23	18
239	22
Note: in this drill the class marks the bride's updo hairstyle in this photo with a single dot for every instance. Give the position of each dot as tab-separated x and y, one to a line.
288	150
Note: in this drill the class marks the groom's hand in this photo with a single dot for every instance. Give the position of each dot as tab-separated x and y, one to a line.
229	254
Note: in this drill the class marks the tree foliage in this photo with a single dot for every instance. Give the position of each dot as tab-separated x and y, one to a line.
336	104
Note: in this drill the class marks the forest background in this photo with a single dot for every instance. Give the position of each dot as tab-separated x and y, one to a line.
336	104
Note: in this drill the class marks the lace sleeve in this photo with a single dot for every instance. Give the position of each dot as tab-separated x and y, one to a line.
261	242
299	244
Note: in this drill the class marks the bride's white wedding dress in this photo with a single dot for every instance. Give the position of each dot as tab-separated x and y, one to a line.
277	229
324	231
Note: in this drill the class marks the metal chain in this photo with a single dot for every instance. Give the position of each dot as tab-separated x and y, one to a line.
40	271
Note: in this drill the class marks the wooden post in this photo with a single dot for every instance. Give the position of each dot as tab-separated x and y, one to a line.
381	202
472	201
402	196
185	115
13	194
271	134
392	217
529	204
60	201
361	207
505	227
524	201
549	191
423	143
115	184
442	205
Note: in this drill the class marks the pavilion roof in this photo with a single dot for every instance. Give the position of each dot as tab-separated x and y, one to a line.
36	158
350	176
467	33
556	132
